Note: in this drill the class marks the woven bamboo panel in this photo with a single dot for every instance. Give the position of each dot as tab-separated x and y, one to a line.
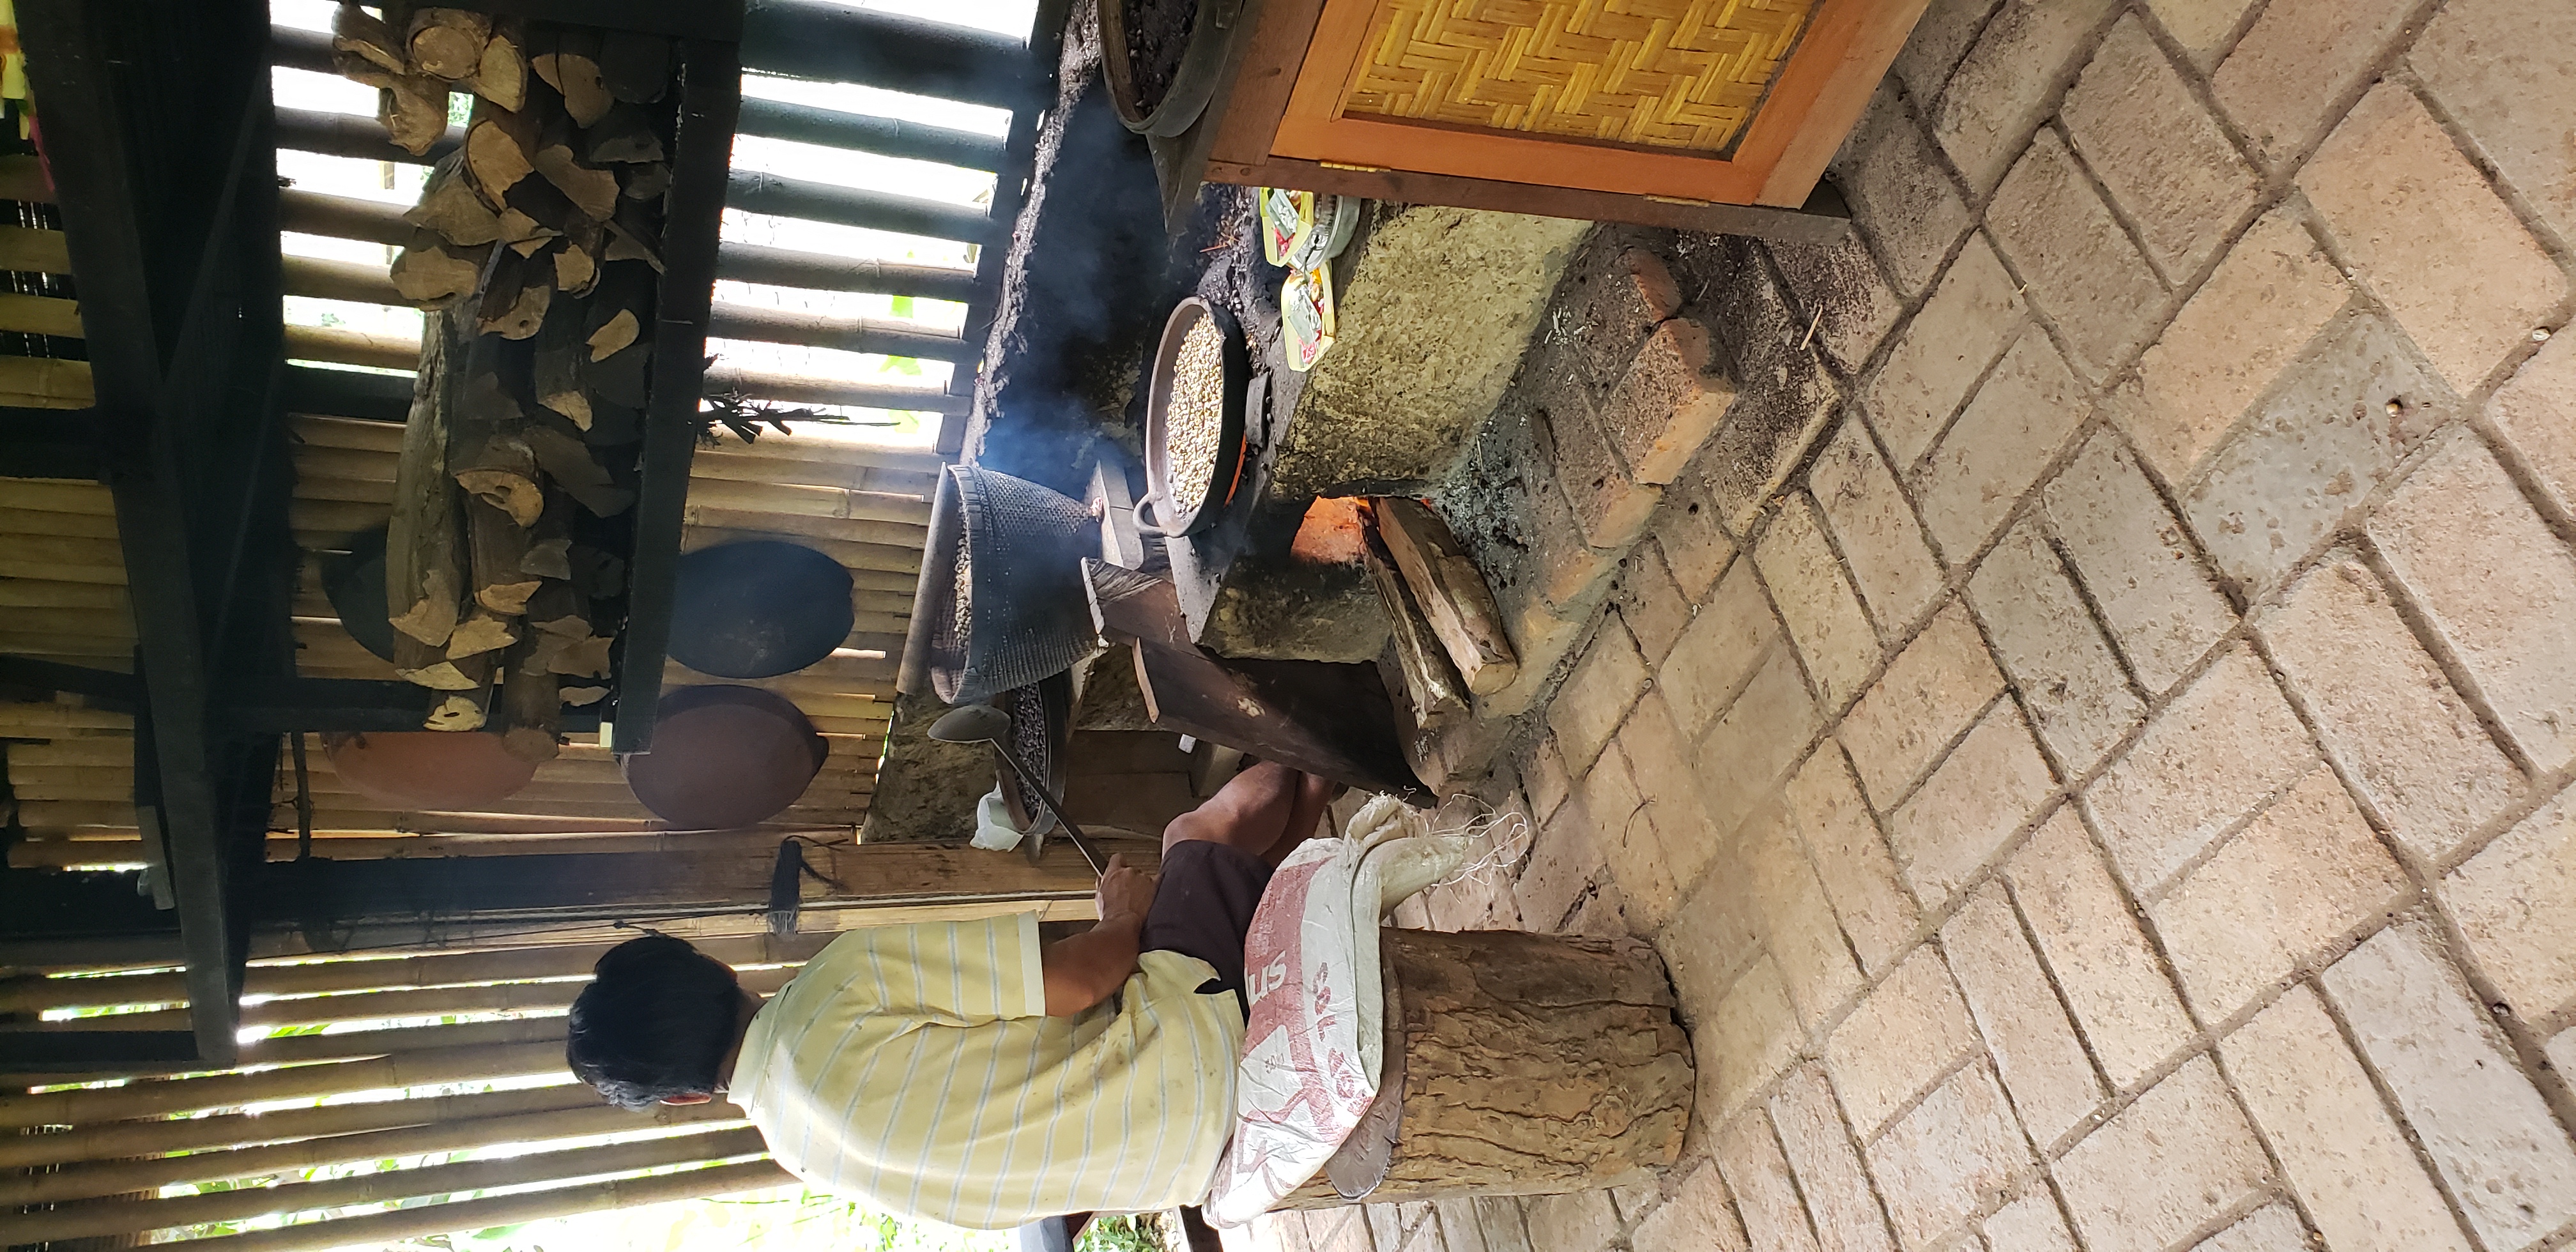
1661	73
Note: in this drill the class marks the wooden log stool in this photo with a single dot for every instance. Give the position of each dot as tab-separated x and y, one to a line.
1516	1064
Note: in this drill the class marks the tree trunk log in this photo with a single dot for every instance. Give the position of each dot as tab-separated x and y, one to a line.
1531	1065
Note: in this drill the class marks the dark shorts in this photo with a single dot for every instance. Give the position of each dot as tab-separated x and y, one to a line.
1203	908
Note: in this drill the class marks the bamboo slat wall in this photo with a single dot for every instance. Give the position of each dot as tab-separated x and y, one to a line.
62	598
437	1080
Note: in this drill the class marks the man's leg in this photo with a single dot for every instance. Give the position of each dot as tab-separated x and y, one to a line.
1265	811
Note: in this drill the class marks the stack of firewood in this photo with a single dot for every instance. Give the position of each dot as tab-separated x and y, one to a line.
536	254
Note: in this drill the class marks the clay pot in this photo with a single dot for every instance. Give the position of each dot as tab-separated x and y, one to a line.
724	757
429	770
758	608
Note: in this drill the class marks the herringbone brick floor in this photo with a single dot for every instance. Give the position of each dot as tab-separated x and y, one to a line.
2091	731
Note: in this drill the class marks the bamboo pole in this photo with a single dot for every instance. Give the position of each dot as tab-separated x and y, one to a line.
118	622
87	648
12	566
368	1006
32	250
16	715
313	343
340	280
339	974
376	492
831	452
85	750
40	315
111	1141
350	464
834	392
116	1217
36	593
162	1097
348	432
336	518
902	561
45	383
867	628
18	521
429	1219
66	550
56	495
900	519
60	813
108	1178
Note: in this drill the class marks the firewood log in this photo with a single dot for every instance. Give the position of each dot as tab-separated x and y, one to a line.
497	554
648	182
558	609
614	335
635	66
591	190
361	34
632	238
488	453
482	631
500	148
567	460
596	574
622	379
466	710
358	69
541	202
502	77
515	296
571	66
585	657
448	43
518	228
428	665
414	111
531	705
622	137
432	270
613	424
548	558
424	560
560	358
577	260
451	206
549	546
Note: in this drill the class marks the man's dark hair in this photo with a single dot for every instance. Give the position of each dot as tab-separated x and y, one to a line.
655	1022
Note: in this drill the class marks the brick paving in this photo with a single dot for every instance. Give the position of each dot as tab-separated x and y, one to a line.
2091	729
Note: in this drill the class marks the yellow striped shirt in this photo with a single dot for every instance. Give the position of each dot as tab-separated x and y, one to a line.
914	1067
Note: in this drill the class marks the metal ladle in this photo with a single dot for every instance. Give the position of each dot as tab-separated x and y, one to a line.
982	723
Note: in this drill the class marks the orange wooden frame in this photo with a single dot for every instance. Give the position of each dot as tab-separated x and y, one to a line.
1818	96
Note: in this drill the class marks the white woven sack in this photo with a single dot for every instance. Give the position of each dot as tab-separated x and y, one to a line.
1312	1051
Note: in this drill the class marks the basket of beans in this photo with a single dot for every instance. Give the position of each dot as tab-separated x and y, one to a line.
1001	581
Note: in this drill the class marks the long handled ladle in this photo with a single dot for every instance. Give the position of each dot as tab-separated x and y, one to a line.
982	723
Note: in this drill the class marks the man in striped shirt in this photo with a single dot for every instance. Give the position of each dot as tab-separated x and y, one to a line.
962	1072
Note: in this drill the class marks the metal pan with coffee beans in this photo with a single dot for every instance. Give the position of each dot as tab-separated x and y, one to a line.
1194	444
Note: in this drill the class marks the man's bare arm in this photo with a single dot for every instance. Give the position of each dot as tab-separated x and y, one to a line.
1088	968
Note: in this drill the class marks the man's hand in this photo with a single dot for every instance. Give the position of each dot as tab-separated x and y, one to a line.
1090	967
1126	892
